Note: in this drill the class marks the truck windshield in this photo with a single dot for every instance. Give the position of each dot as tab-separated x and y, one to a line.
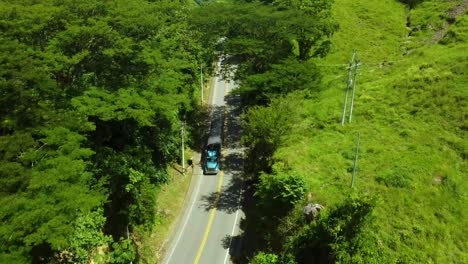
211	153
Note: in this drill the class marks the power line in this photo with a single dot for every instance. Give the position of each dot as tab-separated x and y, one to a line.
360	64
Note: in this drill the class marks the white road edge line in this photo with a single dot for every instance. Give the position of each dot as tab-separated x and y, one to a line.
186	220
236	219
196	192
232	234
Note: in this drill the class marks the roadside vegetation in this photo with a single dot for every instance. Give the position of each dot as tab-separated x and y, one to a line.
92	94
410	110
408	204
169	202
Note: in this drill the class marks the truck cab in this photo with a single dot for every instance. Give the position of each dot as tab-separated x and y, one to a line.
211	164
212	159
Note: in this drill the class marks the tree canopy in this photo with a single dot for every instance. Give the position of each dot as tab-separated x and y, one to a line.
274	43
91	94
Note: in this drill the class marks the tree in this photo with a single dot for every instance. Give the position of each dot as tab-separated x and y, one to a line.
261	35
91	94
309	23
340	236
278	193
272	43
288	76
266	128
40	215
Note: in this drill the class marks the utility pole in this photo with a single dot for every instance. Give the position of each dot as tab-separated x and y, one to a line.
348	83
128	237
201	81
182	135
355	160
354	88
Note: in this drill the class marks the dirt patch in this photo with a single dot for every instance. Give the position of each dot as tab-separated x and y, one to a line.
438	179
452	15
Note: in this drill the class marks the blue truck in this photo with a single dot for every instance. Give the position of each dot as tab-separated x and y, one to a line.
212	155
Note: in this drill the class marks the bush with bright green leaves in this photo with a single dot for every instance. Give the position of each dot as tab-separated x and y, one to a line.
278	193
264	258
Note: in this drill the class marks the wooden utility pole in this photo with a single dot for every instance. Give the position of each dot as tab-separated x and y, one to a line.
182	135
201	82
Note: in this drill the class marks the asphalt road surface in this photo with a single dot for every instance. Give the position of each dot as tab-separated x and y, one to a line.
208	229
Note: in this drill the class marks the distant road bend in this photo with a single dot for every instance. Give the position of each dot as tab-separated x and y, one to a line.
208	229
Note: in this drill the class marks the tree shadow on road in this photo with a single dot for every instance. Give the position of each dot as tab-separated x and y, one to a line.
233	243
228	200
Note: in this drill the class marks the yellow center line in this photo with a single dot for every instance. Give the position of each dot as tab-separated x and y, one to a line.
220	183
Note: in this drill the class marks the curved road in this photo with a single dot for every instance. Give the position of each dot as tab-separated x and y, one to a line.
208	230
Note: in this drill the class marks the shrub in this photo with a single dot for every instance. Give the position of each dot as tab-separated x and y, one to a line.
123	252
395	178
264	258
279	192
340	235
265	129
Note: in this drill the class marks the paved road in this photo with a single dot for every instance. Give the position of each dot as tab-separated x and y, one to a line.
208	230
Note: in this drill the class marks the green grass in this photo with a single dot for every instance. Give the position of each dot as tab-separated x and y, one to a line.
411	112
376	25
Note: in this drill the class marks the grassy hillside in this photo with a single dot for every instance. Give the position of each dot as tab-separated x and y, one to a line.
411	112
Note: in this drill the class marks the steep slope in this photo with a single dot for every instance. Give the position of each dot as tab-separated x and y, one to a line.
410	111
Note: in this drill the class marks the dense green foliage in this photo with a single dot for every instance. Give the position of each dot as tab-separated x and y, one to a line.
278	193
91	94
271	43
265	130
339	233
410	110
264	258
